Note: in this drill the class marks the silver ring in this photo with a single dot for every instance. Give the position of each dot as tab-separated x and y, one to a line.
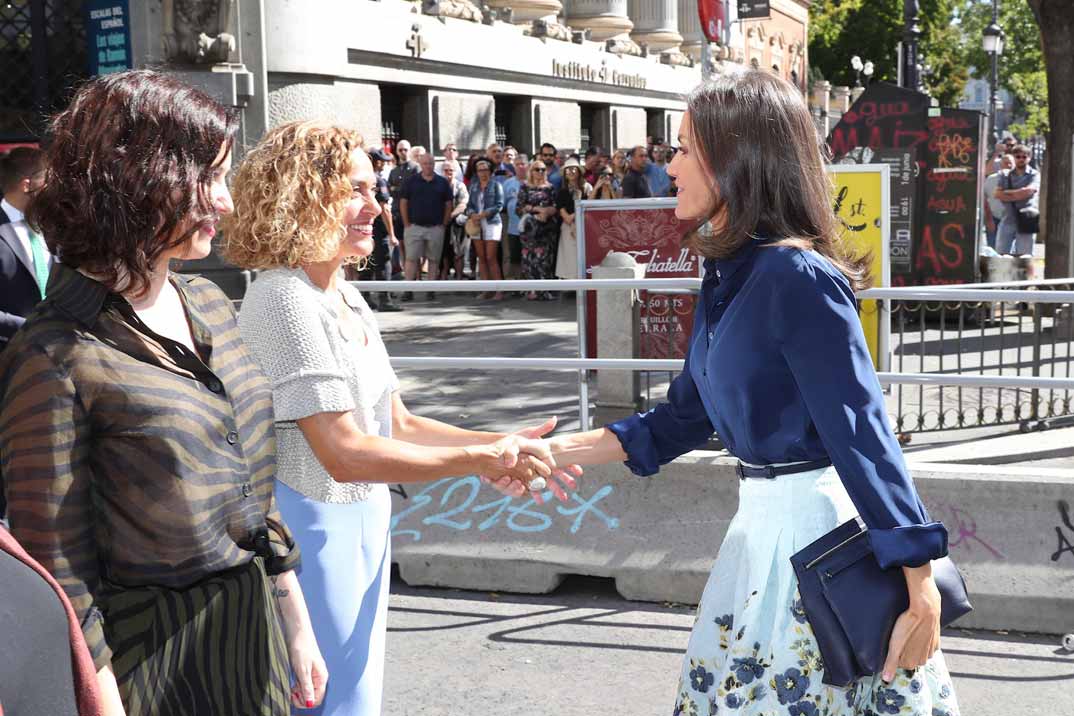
537	484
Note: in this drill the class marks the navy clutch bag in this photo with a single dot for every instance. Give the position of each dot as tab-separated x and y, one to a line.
852	603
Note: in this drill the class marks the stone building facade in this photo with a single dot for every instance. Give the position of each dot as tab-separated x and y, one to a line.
524	72
574	73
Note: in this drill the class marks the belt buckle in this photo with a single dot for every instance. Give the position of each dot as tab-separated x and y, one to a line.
770	472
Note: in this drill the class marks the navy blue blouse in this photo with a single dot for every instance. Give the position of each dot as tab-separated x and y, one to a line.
778	366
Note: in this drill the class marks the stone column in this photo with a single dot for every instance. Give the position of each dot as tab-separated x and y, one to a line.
526	11
605	19
656	24
820	104
690	29
840	104
618	324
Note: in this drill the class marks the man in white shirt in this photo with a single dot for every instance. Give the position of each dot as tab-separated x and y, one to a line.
451	157
994	209
24	259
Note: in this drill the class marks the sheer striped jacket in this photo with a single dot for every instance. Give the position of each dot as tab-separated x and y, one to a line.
128	460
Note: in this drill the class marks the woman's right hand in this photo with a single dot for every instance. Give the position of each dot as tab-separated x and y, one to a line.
513	456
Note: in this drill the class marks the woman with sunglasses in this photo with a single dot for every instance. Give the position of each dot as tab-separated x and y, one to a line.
540	233
486	201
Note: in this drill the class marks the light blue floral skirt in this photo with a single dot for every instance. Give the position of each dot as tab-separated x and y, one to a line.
751	651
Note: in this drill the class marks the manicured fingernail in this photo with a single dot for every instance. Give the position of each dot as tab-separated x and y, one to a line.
888	676
309	703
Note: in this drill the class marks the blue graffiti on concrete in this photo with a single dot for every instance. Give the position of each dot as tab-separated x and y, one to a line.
525	517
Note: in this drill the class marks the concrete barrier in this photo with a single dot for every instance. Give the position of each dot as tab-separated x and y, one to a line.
1011	529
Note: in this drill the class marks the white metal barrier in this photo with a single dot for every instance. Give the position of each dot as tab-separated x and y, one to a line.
581	364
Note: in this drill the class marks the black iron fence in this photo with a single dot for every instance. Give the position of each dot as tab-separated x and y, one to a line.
43	53
978	331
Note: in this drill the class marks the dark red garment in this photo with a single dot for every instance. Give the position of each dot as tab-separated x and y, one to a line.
85	675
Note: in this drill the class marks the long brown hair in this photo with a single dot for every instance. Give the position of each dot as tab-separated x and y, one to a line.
756	138
129	165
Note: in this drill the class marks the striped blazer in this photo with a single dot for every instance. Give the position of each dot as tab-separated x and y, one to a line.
130	461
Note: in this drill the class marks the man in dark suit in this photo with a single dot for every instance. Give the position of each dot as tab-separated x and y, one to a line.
24	259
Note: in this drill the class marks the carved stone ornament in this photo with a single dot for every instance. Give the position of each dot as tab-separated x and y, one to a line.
459	9
623	46
416	43
196	31
551	30
676	59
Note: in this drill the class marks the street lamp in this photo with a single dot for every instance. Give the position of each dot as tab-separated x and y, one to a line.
992	41
861	68
911	61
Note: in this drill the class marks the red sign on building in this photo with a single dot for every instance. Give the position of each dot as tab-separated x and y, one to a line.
647	230
712	19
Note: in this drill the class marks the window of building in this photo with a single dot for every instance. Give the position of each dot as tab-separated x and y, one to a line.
588	113
392	100
504	105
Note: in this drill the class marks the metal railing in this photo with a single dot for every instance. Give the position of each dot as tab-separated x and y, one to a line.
946	396
1002	331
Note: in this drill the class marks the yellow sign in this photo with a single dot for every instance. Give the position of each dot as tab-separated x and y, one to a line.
862	199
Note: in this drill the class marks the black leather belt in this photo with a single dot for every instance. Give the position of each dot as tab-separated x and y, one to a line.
771	472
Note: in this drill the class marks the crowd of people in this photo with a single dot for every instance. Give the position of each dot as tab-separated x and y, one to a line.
198	513
506	215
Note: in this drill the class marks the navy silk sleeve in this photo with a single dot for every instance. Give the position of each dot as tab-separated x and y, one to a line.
671	429
823	343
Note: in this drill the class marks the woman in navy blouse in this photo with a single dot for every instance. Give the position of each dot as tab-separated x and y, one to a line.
778	367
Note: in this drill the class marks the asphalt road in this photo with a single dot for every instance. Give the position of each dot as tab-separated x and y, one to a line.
585	651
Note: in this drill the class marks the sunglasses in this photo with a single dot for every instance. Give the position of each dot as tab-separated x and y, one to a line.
539	169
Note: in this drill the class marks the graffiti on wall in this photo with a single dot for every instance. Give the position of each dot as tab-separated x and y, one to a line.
458	504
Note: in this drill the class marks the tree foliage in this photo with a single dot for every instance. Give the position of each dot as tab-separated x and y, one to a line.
1021	66
872	29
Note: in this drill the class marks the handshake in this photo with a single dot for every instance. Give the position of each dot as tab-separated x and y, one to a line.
524	462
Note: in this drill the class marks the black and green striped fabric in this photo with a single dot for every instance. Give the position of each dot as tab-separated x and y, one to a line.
212	648
129	461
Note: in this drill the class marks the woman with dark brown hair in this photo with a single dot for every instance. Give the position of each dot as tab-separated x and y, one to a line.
136	432
778	367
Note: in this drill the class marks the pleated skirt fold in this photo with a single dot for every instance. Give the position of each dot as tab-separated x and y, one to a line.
752	651
213	648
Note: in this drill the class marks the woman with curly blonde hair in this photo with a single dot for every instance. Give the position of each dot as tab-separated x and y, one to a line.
305	205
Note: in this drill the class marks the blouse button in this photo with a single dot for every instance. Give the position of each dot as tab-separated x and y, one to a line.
214	385
232	437
719	275
710	335
247	490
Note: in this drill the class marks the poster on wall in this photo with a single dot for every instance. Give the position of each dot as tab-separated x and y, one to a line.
949	231
861	196
108	36
934	155
905	173
648	230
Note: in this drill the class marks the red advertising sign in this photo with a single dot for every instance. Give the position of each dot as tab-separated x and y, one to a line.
712	18
647	230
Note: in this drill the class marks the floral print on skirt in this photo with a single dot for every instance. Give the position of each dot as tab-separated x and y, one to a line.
752	651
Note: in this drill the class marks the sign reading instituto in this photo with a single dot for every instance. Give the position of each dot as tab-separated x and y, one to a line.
590	73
